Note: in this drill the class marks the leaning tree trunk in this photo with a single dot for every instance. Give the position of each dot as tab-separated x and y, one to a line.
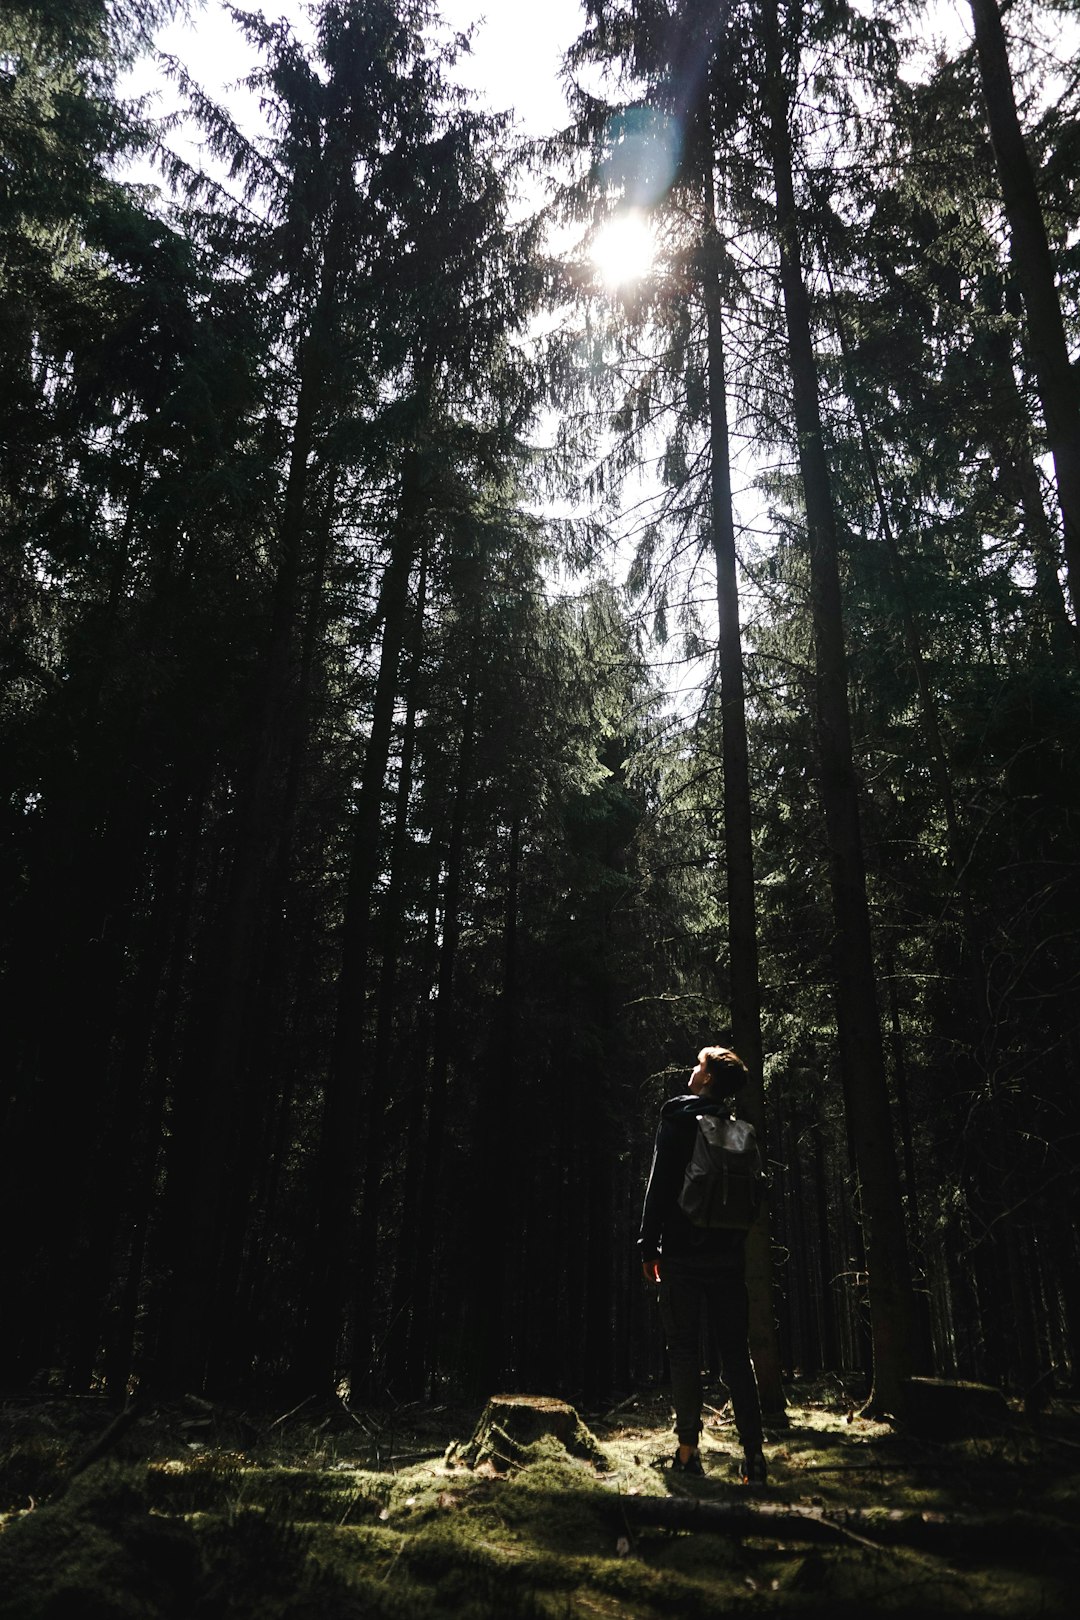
1034	268
866	1096
738	839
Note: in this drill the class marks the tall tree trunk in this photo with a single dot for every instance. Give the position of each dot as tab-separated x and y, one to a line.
1035	272
408	1237
335	1171
1014	454
259	1082
493	1143
421	1334
204	1119
141	1082
830	1346
367	1230
974	953
738	844
866	1096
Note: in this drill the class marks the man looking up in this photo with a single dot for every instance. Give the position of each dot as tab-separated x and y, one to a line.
700	1272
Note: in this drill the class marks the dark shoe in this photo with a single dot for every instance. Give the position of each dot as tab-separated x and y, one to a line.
692	1465
755	1469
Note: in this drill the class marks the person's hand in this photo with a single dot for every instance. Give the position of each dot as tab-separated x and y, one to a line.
651	1270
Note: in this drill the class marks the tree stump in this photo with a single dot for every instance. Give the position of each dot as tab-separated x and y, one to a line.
509	1424
944	1409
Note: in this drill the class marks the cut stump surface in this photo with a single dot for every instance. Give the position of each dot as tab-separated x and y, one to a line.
509	1424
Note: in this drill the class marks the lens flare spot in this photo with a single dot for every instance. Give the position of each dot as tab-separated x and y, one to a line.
624	249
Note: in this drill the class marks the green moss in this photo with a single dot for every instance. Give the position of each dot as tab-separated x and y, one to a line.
215	1536
204	1485
546	1465
97	1554
30	1471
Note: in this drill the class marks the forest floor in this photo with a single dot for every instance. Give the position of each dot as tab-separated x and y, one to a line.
198	1513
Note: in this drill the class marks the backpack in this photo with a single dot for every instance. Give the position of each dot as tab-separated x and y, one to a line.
723	1183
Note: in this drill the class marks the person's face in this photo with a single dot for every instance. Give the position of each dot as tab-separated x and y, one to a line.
699	1077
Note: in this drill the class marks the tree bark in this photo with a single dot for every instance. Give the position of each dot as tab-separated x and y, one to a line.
866	1097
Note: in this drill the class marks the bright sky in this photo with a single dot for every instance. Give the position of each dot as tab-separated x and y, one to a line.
515	63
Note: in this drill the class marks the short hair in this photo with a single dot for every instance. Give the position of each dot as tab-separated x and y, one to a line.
725	1068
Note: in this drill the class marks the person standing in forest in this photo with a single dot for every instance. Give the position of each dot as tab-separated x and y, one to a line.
700	1271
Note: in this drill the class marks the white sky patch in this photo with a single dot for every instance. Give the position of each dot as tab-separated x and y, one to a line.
513	65
516	57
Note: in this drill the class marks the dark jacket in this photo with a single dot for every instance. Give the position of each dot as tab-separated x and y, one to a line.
665	1230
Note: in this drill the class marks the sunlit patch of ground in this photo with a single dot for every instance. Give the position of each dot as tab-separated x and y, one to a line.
335	1519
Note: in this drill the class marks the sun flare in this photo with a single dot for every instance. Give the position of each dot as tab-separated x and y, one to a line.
624	249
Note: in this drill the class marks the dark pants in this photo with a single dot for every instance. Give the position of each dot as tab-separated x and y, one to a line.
691	1296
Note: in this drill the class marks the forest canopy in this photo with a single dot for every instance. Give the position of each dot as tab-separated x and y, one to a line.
381	843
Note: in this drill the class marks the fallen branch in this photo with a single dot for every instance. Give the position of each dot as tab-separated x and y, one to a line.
622	1407
109	1437
991	1537
285	1416
731	1518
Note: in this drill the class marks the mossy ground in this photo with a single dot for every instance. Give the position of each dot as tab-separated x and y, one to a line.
211	1517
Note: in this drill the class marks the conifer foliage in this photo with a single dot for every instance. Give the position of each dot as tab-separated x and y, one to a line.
300	756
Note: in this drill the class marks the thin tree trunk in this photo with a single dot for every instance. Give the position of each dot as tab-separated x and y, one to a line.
738	845
866	1096
1035	272
830	1349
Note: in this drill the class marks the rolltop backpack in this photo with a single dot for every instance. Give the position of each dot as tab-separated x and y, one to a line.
722	1188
